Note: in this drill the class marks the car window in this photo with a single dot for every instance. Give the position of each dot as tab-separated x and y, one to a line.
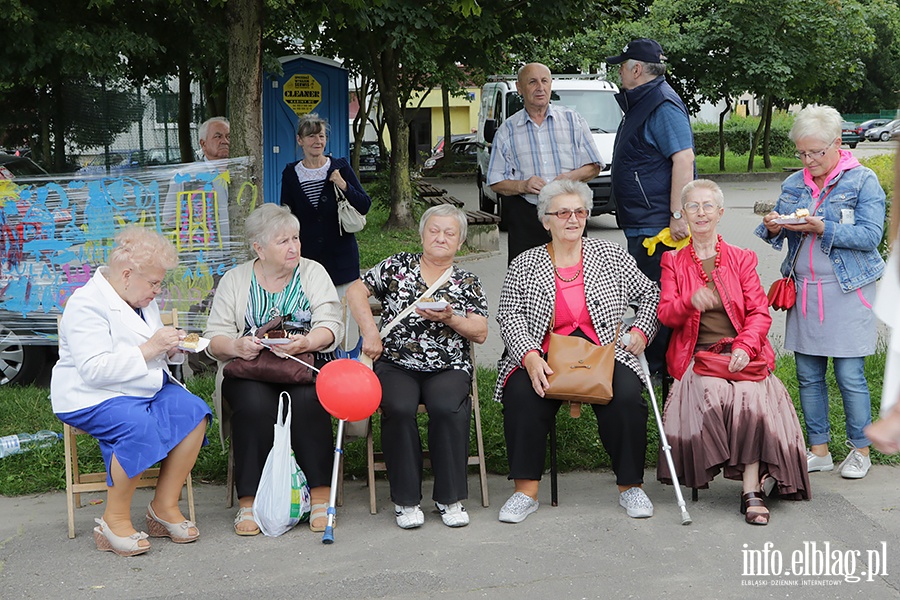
599	109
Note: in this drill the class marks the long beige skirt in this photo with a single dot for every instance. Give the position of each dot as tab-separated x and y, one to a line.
713	424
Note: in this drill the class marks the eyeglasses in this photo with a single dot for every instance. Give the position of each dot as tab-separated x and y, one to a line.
156	286
564	214
813	155
693	207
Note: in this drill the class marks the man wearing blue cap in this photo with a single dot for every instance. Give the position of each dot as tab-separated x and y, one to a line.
653	159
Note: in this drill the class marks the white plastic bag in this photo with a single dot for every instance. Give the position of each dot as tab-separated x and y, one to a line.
282	499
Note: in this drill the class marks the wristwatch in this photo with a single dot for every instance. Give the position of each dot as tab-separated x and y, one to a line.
676	215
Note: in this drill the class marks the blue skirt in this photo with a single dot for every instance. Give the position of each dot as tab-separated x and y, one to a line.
141	431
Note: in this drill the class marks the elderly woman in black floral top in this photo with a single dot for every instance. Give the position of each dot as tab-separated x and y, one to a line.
424	358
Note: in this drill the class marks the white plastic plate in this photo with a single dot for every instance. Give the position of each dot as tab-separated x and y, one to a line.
201	346
432	305
275	341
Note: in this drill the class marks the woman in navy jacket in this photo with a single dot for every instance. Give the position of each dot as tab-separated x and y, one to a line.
308	188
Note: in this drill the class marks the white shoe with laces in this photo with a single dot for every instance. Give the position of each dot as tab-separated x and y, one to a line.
636	503
409	517
814	462
453	515
856	465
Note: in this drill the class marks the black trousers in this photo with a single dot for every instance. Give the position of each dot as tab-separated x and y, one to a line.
254	409
445	395
621	424
651	266
524	229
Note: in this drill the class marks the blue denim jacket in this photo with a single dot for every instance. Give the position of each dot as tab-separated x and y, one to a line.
851	247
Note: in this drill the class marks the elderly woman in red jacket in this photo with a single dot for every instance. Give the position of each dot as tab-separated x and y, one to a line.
738	418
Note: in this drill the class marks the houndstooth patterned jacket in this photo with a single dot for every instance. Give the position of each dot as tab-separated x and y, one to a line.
612	281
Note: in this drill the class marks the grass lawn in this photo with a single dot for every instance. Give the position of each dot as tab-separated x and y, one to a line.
27	409
737	163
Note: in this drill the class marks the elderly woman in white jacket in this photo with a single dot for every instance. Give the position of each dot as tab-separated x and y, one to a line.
112	381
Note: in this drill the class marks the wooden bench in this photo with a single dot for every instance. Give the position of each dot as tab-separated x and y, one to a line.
442	199
426	189
478	217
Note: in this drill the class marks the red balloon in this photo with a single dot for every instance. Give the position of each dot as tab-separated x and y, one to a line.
348	389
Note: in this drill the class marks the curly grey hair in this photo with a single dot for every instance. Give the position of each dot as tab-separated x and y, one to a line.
445	210
560	187
266	221
703	184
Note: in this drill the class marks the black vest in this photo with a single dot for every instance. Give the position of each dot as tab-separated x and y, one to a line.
641	176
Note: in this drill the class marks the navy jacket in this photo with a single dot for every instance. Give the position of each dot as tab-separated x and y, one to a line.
320	232
641	175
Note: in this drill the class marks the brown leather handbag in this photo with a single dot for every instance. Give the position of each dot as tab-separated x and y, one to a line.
582	370
271	368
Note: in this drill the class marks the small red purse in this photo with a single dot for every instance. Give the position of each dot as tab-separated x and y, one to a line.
783	293
712	363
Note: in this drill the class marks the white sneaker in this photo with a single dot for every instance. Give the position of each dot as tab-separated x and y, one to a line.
856	465
409	517
518	507
636	503
453	515
818	463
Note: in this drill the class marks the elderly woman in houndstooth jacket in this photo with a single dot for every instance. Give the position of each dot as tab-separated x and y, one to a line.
584	292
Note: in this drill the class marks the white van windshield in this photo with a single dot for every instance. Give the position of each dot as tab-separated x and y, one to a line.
599	109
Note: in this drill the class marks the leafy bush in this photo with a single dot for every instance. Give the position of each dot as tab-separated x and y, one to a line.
883	165
739	136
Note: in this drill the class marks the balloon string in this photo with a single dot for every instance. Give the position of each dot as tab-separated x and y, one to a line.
302	362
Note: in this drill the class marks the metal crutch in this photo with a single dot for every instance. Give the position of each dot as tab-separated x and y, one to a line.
685	517
328	536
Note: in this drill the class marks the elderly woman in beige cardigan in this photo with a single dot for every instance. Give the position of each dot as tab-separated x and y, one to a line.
276	283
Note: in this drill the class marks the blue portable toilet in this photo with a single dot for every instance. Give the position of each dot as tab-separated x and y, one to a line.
309	84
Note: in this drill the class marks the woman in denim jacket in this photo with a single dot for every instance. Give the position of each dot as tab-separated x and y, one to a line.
837	265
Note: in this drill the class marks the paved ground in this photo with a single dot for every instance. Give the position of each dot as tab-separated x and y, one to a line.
585	548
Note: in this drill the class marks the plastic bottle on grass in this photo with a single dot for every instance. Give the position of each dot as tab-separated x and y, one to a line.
23	442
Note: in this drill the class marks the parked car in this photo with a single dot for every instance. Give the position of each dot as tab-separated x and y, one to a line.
863	128
369	160
462	137
13	167
848	134
464	152
884	132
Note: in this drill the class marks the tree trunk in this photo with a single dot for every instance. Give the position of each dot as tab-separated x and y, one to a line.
767	118
448	134
184	115
365	99
59	128
722	133
386	67
245	22
756	137
44	102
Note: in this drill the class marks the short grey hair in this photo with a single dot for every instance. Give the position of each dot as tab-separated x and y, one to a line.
562	187
654	69
267	220
311	123
446	210
820	122
703	184
138	248
203	130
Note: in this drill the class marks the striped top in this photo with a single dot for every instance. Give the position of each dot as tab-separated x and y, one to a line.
292	302
523	149
313	180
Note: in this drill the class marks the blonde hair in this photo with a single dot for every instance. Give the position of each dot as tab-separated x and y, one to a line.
703	184
820	122
138	248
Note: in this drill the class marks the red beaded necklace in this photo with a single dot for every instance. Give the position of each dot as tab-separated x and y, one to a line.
700	262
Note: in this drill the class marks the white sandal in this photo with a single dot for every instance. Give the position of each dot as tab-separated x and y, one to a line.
245	514
107	541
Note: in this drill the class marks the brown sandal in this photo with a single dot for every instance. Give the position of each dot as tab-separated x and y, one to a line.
751	499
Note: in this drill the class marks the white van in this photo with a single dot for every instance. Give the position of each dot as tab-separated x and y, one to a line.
592	97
